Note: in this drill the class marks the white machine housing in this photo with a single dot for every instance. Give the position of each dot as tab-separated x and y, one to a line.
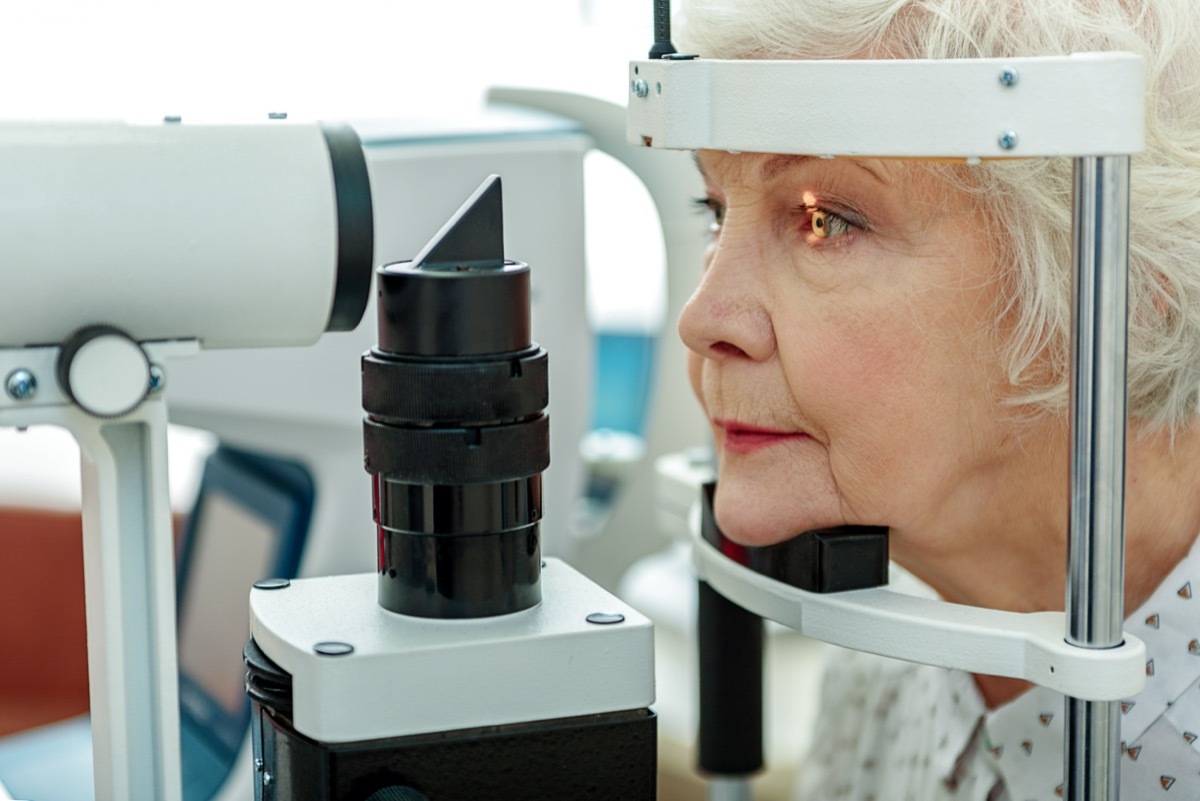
226	234
1086	104
410	675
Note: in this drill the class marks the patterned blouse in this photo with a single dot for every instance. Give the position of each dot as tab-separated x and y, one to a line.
895	731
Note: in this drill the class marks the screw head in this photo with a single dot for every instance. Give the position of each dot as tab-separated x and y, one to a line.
21	385
605	618
1009	77
172	118
333	648
258	764
158	378
640	87
272	584
1008	140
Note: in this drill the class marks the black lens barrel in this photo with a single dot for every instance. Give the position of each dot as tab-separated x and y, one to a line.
456	436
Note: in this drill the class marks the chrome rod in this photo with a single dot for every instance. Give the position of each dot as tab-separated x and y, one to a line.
729	789
1095	556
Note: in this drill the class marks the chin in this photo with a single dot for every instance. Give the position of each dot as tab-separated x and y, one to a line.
757	516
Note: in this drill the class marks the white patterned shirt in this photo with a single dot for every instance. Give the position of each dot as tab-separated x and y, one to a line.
895	731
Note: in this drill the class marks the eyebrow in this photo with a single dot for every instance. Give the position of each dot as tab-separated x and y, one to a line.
777	165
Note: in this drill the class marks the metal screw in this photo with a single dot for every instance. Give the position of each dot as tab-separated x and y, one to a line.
1008	139
258	764
172	118
21	385
640	87
272	584
267	779
333	648
277	115
158	378
1009	77
605	618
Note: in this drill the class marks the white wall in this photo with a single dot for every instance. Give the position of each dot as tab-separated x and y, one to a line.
81	58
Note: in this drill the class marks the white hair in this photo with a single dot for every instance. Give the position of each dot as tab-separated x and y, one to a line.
1029	201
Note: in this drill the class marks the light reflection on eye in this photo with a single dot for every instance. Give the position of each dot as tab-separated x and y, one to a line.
825	224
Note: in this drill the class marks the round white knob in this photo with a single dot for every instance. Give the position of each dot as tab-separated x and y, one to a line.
104	371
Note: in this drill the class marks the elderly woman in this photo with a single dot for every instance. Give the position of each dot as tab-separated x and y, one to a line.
887	343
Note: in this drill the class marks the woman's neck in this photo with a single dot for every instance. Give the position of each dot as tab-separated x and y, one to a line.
1022	568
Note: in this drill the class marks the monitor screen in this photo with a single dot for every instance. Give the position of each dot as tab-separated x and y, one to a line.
234	547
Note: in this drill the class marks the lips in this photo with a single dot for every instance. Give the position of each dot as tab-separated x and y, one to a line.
742	438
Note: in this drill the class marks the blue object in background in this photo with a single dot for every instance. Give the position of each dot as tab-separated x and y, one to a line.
625	364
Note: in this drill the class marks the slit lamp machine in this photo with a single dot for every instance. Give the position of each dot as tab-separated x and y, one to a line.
466	665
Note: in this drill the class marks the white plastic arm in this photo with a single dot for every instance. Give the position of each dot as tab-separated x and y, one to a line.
1088	104
881	621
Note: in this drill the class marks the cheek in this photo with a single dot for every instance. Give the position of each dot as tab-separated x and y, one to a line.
695	375
853	371
868	384
695	370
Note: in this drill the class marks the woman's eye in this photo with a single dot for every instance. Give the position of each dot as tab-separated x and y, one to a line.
714	208
827	225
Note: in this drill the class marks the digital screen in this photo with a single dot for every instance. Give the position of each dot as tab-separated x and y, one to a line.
233	549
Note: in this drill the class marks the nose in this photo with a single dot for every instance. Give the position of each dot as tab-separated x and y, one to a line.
728	315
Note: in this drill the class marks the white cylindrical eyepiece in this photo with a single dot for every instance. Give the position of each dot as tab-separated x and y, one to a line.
233	235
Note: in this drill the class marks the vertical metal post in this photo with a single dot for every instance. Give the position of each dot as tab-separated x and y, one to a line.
129	581
1096	569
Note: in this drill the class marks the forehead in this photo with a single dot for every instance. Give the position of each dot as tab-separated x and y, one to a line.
765	168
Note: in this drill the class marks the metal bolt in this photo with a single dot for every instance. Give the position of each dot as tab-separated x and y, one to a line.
605	618
172	118
1009	77
333	648
1008	140
158	378
267	779
277	115
21	385
640	87
258	764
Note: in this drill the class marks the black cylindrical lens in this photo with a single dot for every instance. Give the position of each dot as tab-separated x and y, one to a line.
356	227
456	436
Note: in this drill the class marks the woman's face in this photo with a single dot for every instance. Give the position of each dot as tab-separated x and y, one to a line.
844	342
